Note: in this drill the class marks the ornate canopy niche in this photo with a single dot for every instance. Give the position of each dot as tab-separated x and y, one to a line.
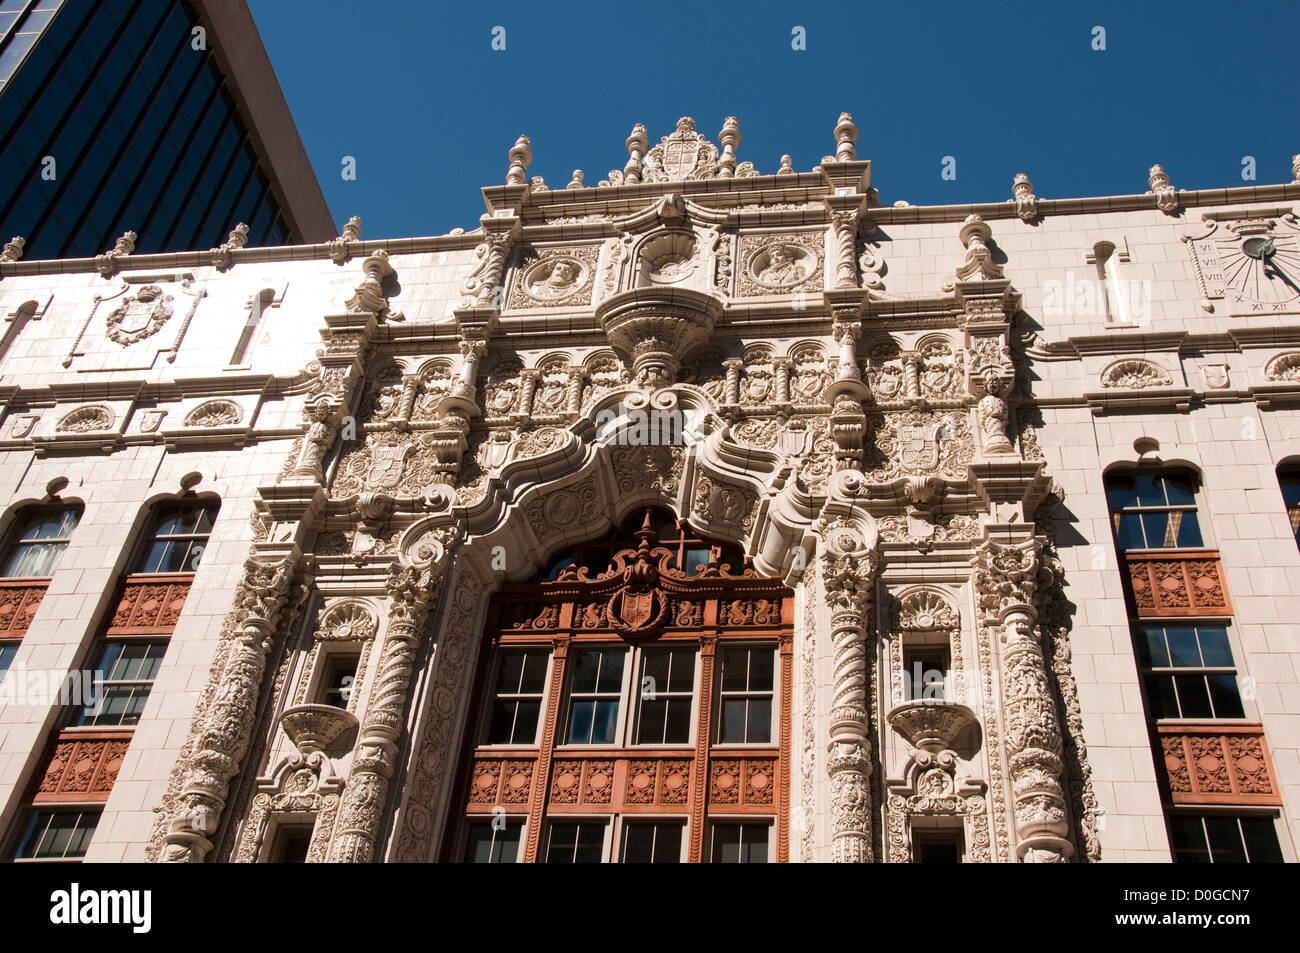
656	328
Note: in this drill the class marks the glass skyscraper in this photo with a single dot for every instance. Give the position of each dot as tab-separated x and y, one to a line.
117	115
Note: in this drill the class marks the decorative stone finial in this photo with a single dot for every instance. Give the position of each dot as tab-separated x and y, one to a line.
221	255
369	294
846	134
576	181
787	166
979	264
338	247
108	263
521	154
1295	167
13	249
637	146
1166	196
1026	202
729	138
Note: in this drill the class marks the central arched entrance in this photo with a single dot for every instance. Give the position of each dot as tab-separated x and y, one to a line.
633	705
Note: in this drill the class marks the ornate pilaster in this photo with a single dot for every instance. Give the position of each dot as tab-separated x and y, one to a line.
849	575
228	722
1007	580
411	592
845	223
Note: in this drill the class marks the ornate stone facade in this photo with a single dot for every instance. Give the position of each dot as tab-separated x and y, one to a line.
885	436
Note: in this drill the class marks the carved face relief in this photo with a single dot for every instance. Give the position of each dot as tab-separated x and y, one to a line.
556	277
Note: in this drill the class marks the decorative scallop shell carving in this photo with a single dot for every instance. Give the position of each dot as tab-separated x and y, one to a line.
1134	374
215	413
347	621
86	420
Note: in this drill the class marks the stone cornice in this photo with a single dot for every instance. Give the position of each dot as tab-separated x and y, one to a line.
720	194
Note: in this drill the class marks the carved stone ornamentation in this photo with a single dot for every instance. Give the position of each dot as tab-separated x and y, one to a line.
917	443
411	591
555	277
1022	191
780	264
215	413
849	577
86	420
223	739
1007	581
1283	367
1166	195
683	155
139	316
1135	374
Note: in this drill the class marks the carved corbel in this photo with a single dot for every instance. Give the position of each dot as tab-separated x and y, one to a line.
1007	581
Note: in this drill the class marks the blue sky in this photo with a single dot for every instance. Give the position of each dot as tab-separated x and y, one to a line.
415	92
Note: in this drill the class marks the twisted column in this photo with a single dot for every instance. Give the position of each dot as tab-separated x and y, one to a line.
228	724
410	598
849	578
1007	580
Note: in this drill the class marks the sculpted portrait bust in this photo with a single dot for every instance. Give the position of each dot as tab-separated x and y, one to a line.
782	266
555	279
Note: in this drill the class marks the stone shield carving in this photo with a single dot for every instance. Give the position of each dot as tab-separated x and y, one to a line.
140	316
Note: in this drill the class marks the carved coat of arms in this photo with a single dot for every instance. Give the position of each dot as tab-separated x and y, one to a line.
385	472
917	449
139	316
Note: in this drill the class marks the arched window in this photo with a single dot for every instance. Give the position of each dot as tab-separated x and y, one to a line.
1154	509
37	541
177	537
631	665
1288	477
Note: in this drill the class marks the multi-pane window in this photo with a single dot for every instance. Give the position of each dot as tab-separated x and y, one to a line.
56	835
178	537
1224	839
745	695
517	701
658	842
1289	479
739	843
493	842
38	542
123	678
595	689
666	690
1154	509
575	842
1188	671
7	652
